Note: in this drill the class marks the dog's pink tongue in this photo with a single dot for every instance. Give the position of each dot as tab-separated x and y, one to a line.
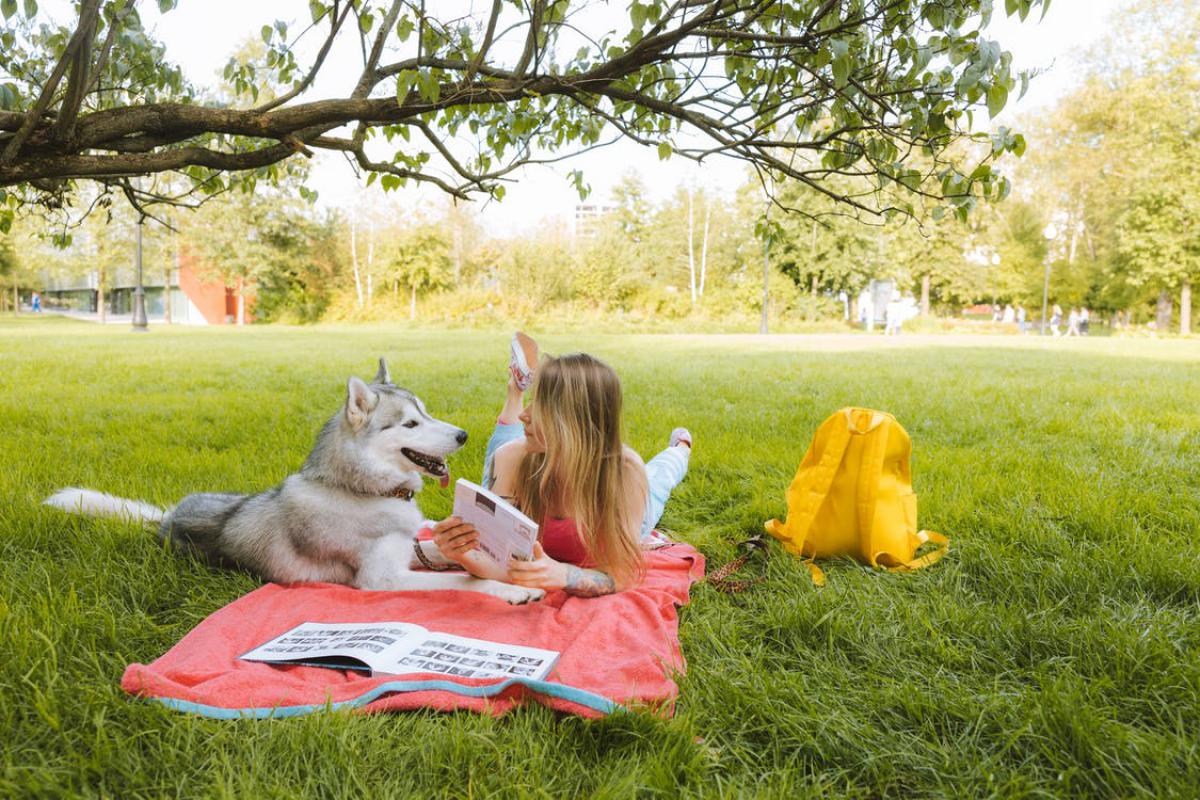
445	479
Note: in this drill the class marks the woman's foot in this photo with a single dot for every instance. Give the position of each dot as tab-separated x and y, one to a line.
522	363
681	436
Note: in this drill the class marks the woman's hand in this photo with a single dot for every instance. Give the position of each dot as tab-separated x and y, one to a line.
455	538
543	572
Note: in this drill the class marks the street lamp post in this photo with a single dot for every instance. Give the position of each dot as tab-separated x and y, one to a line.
1050	232
140	324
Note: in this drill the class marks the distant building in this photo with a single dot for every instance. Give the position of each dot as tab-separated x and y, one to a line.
588	217
193	301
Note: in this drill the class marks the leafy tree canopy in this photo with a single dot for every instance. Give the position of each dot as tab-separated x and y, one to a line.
812	90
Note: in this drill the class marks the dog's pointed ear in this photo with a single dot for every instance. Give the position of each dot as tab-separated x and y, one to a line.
383	376
360	402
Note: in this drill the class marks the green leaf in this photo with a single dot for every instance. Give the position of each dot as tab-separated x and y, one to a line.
365	22
8	8
664	151
404	84
841	71
30	9
1005	188
166	5
1018	145
266	34
404	28
997	96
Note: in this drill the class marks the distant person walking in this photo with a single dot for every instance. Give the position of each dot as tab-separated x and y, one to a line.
36	302
1073	322
1084	321
1010	315
866	310
893	316
1056	320
1021	315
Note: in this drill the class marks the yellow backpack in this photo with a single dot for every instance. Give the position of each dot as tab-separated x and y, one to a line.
853	496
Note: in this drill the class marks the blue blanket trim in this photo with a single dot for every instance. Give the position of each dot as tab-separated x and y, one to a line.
557	690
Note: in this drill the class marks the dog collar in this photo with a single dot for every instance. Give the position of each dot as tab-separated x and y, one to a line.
401	493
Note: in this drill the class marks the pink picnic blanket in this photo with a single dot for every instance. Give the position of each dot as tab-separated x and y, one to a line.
621	649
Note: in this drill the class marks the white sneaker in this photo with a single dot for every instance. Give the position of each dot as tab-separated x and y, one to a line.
523	360
680	436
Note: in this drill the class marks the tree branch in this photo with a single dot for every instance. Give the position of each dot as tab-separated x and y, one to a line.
77	80
335	23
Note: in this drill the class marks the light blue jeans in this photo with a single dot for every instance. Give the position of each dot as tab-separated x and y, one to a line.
664	471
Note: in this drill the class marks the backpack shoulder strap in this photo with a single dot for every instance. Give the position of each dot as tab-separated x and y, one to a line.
800	519
932	557
868	479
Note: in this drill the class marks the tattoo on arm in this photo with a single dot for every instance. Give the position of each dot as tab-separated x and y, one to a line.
588	582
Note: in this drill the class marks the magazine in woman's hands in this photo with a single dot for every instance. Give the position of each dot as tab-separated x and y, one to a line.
504	532
396	648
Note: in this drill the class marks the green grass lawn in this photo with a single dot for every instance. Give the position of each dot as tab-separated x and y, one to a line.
1054	652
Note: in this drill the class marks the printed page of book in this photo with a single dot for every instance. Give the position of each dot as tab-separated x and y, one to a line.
463	657
504	531
352	645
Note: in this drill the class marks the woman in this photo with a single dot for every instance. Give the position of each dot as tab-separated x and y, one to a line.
561	461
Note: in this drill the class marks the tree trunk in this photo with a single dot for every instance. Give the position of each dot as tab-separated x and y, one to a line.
354	262
704	250
370	261
925	295
762	325
458	247
1185	308
412	304
16	297
241	301
100	301
691	248
167	296
167	284
1162	320
812	254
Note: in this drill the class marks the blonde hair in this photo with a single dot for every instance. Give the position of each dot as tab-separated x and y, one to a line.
577	406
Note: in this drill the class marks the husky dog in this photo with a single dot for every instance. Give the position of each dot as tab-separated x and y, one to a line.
348	516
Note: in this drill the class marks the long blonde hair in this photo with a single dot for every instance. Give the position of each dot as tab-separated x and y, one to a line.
577	406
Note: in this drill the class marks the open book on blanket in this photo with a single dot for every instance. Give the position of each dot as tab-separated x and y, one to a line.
396	648
504	531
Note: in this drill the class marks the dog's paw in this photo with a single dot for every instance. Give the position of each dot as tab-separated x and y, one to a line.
517	595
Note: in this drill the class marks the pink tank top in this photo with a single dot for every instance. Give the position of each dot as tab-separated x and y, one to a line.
560	540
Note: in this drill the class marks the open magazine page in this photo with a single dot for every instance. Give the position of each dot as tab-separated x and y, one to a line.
476	658
398	648
377	645
504	532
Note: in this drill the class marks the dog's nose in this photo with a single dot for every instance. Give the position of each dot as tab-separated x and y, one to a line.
461	437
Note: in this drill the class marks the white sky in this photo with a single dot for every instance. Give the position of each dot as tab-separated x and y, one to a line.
200	35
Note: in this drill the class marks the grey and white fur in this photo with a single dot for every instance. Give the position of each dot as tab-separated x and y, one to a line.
348	516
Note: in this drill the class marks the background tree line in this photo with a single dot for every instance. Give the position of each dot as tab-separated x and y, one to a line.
1110	165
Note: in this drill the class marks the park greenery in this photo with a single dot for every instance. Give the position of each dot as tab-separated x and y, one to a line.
1108	165
1055	652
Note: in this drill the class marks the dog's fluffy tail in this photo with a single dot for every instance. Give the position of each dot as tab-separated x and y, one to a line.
98	504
